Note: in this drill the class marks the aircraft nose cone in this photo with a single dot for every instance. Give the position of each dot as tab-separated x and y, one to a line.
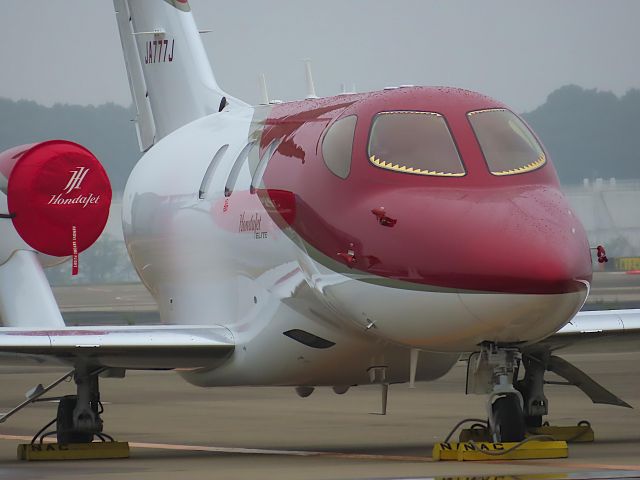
522	240
533	244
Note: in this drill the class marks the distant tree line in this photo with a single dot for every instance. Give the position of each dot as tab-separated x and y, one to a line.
106	130
590	134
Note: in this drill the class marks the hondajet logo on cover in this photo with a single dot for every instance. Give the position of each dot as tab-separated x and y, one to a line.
75	183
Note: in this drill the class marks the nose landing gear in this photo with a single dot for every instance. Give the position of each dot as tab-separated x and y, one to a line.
495	370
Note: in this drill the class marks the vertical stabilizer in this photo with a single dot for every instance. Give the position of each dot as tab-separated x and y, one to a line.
169	73
145	126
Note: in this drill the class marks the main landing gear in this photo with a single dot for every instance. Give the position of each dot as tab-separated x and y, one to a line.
78	418
77	423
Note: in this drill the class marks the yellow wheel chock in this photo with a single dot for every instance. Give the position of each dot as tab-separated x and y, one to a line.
73	451
527	450
580	433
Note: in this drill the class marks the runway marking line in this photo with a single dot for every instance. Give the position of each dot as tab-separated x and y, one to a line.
595	466
339	455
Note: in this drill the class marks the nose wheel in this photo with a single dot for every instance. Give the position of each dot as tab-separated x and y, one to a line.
507	419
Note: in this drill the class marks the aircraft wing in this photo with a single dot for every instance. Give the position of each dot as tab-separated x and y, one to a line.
130	347
604	331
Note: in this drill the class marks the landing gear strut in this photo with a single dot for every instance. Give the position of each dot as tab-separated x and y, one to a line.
532	389
493	371
506	418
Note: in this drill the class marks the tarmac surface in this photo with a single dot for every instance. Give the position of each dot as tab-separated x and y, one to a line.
178	431
181	431
614	290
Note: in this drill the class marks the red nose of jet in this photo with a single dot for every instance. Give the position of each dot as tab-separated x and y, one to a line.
511	240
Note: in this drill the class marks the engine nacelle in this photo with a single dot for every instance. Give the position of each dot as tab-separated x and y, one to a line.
55	198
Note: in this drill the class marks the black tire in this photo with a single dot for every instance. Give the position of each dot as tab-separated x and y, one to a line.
64	423
533	421
508	419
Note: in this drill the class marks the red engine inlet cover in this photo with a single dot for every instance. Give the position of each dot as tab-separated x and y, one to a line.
59	193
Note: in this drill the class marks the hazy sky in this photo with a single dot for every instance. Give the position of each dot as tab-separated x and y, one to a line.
68	50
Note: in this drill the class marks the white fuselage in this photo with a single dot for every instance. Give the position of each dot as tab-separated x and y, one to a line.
219	260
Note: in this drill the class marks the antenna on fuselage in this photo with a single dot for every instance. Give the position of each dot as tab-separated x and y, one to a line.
311	89
264	92
344	91
378	374
413	366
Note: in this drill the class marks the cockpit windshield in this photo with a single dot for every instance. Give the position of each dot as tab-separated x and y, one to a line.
508	145
414	142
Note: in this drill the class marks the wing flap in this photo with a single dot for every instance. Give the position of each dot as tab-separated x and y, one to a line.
131	347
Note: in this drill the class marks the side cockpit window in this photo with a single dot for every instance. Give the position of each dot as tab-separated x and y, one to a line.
337	146
508	145
419	143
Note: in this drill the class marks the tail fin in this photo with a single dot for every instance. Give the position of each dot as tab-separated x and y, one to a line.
169	73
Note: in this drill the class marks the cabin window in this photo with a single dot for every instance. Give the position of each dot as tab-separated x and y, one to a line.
206	180
337	146
235	170
508	145
262	164
418	143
